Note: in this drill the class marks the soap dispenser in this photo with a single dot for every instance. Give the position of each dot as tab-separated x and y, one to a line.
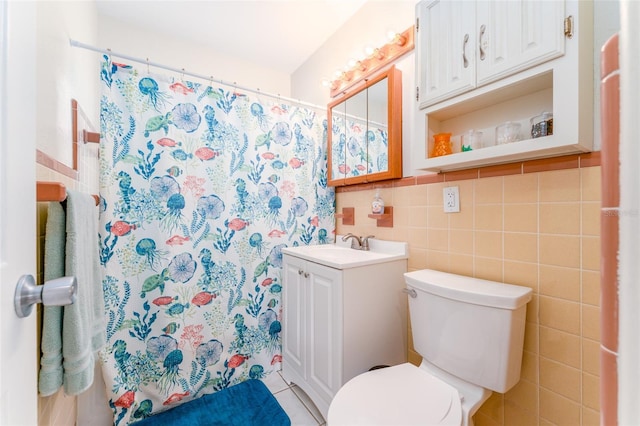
377	205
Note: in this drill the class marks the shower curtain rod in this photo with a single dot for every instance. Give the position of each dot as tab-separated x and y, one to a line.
182	71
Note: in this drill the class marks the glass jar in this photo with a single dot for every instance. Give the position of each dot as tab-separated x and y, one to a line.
542	125
472	140
441	145
508	132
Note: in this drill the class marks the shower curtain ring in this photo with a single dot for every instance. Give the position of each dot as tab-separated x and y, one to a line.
182	75
148	70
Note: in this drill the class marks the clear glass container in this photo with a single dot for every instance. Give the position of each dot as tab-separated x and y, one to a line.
472	140
508	132
542	125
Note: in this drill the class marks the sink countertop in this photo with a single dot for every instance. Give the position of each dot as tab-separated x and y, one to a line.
340	255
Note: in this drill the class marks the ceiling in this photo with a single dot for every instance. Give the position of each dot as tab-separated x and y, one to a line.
278	34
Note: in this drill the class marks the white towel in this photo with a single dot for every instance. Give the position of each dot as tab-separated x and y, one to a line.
83	327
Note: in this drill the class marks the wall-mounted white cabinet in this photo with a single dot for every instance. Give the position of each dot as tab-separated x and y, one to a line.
339	323
466	44
483	63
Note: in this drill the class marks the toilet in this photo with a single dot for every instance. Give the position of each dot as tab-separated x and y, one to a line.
470	334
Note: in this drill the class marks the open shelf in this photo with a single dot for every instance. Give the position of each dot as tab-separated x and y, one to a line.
516	102
553	87
500	154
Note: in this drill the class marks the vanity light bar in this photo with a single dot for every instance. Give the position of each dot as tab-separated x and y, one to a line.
376	59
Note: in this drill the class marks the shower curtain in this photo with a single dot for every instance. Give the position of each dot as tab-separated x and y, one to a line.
201	188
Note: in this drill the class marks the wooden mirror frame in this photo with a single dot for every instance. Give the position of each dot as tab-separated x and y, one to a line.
394	123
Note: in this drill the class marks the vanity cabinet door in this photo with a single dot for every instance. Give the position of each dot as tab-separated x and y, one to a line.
312	341
294	294
446	49
516	35
324	330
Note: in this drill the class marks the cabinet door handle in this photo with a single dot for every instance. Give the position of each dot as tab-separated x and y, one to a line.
483	28
465	61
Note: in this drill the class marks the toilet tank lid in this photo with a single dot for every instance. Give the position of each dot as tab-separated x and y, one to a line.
468	289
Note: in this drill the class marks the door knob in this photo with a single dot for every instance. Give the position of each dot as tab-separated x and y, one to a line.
57	292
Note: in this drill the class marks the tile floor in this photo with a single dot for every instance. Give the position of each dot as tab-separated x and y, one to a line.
295	402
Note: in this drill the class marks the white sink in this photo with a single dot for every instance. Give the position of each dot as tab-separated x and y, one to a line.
340	255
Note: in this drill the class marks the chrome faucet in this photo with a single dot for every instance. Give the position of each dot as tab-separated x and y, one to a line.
365	242
356	243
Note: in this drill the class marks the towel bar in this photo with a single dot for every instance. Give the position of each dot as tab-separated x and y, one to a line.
54	191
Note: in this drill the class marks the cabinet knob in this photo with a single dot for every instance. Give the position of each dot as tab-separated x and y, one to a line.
300	271
306	275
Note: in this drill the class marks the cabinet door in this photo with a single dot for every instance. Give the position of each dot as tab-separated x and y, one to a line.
293	306
446	49
324	329
516	35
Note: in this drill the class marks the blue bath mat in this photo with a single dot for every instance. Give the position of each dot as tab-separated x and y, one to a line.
246	404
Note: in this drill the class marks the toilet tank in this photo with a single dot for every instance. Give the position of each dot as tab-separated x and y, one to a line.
469	327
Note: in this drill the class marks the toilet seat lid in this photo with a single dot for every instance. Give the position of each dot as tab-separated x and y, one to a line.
402	394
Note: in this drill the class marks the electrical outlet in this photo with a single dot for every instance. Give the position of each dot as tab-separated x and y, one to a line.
451	197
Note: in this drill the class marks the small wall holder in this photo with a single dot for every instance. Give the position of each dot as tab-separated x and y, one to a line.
347	216
385	220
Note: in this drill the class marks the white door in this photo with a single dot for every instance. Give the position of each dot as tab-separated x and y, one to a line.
18	356
516	35
293	306
324	330
446	49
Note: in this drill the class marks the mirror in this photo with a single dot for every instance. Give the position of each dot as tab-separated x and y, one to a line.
365	137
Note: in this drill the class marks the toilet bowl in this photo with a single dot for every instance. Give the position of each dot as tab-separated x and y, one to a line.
400	395
470	333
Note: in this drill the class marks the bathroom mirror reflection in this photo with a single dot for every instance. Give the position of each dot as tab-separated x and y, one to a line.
366	132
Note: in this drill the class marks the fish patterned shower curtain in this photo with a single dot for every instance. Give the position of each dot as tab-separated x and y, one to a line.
201	187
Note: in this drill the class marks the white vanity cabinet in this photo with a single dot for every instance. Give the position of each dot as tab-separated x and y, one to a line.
465	44
339	323
515	64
